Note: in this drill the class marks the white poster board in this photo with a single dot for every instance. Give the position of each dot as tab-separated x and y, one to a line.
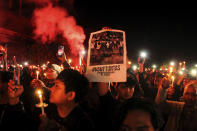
107	56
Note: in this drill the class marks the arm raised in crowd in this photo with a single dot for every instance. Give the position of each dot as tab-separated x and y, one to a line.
141	64
14	92
162	91
63	60
103	88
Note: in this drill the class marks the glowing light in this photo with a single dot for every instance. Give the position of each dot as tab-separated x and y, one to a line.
26	63
196	65
39	92
172	63
172	77
134	67
171	69
69	61
37	74
129	62
193	72
143	54
154	66
83	52
45	74
181	72
1	66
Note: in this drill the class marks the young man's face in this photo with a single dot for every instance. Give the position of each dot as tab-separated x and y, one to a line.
58	95
137	120
51	74
125	92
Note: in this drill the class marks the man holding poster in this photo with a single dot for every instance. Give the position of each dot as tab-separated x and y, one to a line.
107	56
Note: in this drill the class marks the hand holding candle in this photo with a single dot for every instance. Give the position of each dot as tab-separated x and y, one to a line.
41	104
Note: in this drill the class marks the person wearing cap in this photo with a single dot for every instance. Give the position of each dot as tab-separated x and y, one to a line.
52	72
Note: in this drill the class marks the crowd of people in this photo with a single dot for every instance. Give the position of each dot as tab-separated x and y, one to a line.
147	101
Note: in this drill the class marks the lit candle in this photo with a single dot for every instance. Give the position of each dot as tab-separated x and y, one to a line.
37	74
171	69
172	80
45	74
41	101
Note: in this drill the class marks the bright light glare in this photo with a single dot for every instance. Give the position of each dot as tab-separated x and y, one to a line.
181	72
154	66
134	67
26	63
143	54
69	61
193	72
172	63
83	52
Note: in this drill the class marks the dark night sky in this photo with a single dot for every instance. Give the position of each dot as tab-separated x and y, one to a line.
167	33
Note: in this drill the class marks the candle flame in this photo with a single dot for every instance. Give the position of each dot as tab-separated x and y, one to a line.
39	93
37	72
172	78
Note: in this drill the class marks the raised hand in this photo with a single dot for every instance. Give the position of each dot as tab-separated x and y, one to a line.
14	92
62	58
141	64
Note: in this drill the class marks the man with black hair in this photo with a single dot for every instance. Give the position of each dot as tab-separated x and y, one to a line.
139	114
67	94
125	91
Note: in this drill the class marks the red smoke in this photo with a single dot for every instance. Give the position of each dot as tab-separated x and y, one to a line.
52	20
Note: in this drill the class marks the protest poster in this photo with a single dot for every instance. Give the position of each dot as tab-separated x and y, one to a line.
106	60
